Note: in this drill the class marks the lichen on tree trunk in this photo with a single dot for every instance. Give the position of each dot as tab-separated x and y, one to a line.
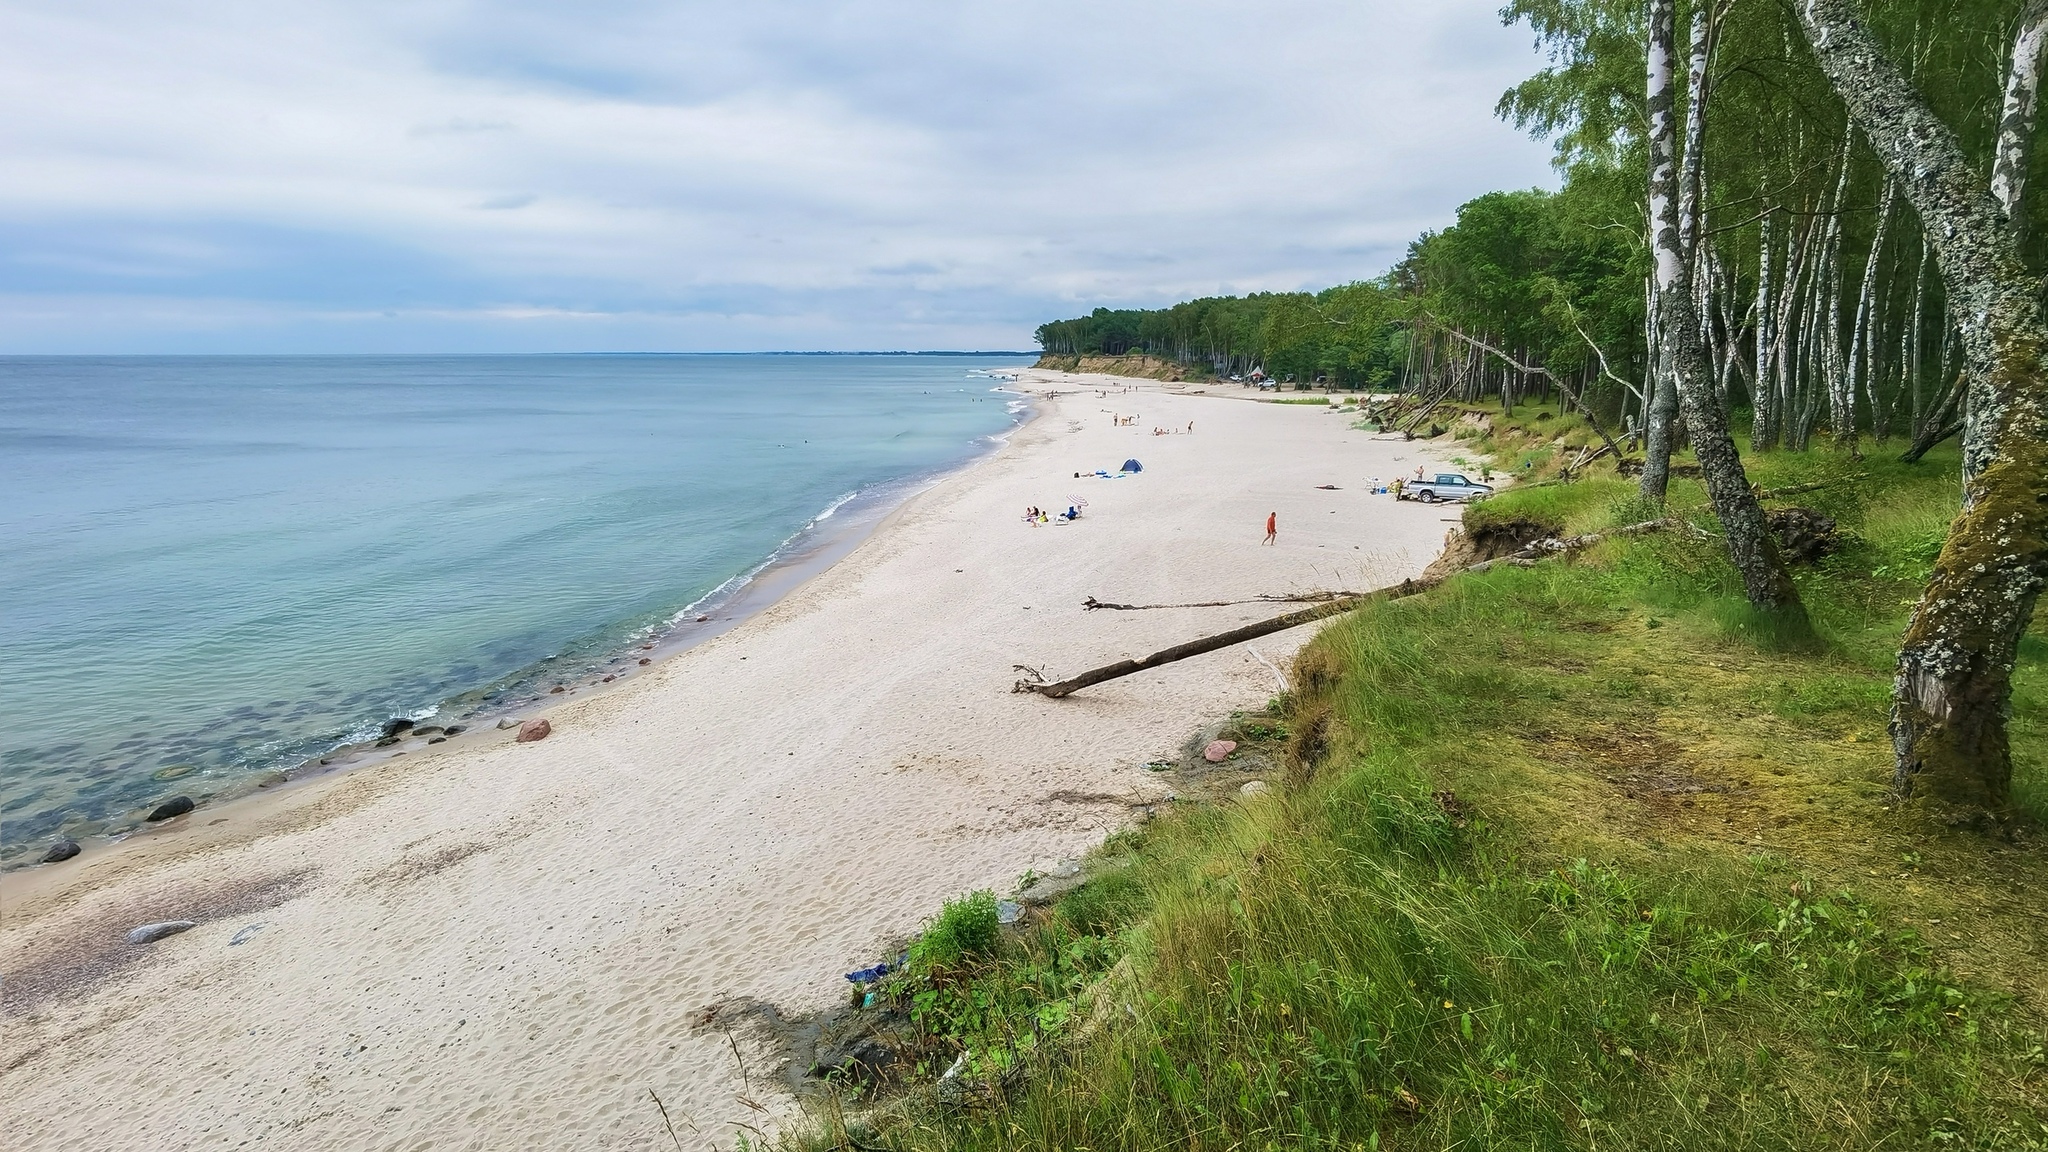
1952	694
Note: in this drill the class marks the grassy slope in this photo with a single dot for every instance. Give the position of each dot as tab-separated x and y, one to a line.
1565	857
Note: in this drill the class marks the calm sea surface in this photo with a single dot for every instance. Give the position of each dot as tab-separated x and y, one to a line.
211	568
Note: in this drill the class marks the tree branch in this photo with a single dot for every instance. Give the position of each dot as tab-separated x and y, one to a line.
1547	374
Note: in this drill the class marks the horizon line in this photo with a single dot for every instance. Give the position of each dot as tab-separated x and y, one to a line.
587	352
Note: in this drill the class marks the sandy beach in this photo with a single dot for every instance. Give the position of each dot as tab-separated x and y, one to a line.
508	945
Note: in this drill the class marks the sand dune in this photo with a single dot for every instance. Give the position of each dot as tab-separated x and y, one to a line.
510	946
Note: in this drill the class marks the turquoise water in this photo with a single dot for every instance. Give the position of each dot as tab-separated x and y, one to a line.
215	568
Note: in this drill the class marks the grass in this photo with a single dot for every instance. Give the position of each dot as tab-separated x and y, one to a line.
1578	857
965	928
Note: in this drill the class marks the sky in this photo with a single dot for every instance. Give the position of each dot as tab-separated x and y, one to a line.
616	175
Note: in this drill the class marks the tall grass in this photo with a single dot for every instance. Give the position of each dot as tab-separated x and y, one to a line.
1585	860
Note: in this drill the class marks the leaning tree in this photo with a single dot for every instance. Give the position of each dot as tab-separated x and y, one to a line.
1952	696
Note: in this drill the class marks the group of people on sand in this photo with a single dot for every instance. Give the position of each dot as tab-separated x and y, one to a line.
1035	515
1171	432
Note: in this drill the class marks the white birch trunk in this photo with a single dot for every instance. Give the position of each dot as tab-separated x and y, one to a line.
2015	146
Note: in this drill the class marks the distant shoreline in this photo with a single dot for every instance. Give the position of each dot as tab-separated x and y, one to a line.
827	538
519	941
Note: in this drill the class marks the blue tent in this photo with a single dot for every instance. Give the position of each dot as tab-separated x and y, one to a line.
1132	465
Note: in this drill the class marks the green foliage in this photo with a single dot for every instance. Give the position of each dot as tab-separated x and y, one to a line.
965	928
1548	277
1348	335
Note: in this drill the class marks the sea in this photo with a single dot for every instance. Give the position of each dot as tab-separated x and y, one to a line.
214	570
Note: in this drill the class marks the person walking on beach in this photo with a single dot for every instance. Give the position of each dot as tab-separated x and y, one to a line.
1272	528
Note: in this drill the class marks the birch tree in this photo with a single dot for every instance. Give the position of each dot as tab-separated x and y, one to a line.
1683	371
1663	142
1952	692
2015	145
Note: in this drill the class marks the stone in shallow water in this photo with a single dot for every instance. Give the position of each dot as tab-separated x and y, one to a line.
151	933
175	806
63	849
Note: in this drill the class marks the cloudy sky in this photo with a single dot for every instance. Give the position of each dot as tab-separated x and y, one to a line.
528	175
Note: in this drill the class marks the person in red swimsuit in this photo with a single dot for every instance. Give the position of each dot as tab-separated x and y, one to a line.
1272	528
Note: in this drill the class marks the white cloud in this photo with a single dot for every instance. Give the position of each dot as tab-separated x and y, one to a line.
775	174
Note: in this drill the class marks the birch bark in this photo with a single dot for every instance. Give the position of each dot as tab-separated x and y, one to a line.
1952	693
2015	146
1762	424
1860	343
1663	140
1683	365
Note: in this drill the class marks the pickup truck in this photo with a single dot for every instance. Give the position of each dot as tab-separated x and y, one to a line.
1444	486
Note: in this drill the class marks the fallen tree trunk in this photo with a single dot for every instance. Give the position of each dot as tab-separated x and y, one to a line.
1550	546
1795	489
1124	668
1091	603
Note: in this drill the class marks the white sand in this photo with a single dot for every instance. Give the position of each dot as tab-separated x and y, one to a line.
506	946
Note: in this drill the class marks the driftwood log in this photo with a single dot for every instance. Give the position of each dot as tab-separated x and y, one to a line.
1124	668
1525	556
1091	603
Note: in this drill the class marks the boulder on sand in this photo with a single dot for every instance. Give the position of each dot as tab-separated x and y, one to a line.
151	933
534	730
64	849
1219	750
175	806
